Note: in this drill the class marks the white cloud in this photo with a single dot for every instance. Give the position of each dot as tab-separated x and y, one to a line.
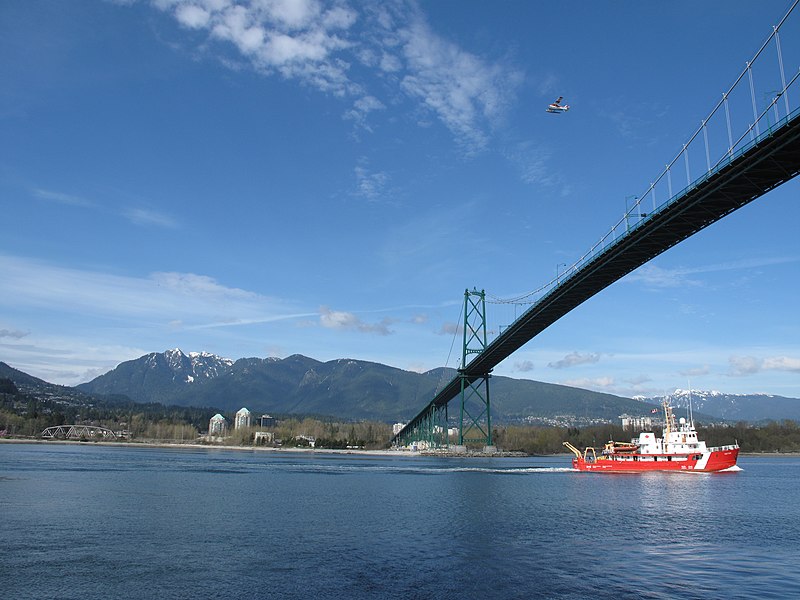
335	319
292	14
361	109
697	371
741	366
296	38
316	43
602	383
573	359
464	91
782	363
449	329
524	366
192	16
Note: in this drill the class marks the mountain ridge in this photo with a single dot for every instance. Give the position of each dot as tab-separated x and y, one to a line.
359	389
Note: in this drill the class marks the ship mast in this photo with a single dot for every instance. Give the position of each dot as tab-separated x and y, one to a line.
669	420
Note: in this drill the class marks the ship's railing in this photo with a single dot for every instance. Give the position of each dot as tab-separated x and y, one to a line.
722	448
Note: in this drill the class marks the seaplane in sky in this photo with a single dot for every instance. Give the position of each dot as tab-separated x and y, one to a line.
557	107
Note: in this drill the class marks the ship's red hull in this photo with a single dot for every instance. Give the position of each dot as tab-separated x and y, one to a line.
716	459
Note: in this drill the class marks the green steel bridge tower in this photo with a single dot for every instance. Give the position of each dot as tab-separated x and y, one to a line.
430	428
475	423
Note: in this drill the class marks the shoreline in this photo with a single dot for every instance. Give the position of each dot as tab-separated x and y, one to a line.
195	446
335	451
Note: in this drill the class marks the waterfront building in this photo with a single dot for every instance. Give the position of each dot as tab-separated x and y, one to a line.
217	425
263	437
312	441
243	419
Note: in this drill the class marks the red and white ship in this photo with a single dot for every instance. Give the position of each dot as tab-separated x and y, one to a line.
678	450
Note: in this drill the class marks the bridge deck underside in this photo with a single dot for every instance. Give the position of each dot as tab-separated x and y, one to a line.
774	160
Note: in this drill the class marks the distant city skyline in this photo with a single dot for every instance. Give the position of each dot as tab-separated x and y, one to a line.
327	178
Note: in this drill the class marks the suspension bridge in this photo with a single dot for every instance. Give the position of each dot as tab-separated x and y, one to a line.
756	149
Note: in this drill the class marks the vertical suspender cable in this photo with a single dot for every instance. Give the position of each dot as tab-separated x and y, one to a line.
753	98
686	161
669	182
708	158
728	118
785	92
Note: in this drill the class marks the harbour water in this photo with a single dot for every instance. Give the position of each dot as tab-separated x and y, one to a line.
90	521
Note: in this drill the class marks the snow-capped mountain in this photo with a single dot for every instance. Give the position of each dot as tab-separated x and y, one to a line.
731	407
159	373
192	366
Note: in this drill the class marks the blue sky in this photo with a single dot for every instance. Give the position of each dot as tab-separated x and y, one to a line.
265	178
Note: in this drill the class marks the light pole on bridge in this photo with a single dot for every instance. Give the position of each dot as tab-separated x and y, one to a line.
558	274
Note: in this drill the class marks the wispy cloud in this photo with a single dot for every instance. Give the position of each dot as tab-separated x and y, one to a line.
361	109
532	162
319	43
61	198
697	371
142	216
185	298
13	334
136	215
598	383
466	92
370	185
658	277
449	329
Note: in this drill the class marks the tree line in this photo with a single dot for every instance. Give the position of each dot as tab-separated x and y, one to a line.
27	415
783	436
